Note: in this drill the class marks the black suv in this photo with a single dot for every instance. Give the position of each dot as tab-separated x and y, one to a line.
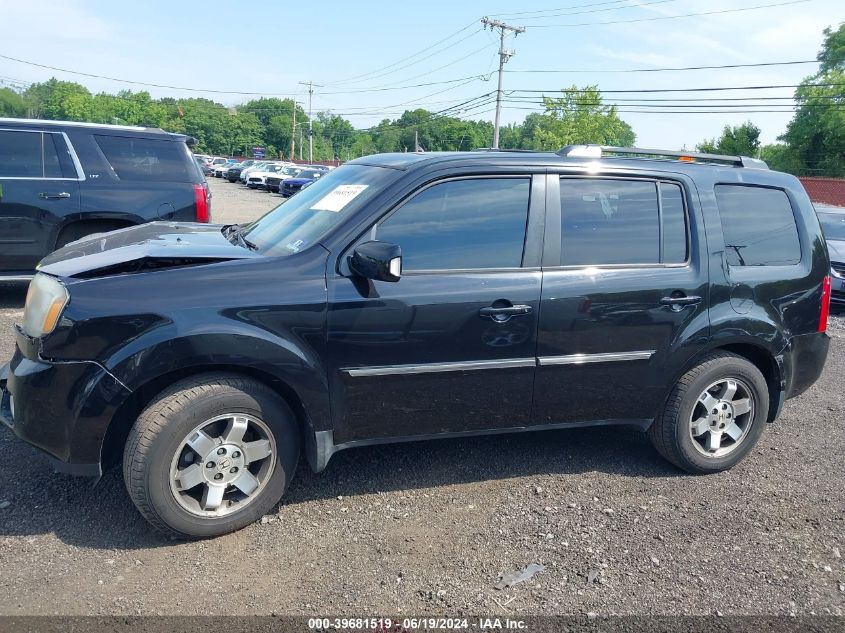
60	181
418	296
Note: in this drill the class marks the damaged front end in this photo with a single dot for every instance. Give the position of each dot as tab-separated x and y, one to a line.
153	246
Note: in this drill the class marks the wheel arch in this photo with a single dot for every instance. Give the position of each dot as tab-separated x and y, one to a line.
81	226
770	364
127	413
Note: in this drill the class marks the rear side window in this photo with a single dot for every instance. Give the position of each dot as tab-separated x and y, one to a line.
20	155
34	155
462	224
608	221
758	225
144	159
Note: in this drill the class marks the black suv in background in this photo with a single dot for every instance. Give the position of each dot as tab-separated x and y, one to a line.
419	296
60	181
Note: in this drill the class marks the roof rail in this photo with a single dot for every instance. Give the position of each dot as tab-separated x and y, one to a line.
505	150
597	151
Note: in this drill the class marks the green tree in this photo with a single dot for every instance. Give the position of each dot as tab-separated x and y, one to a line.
577	117
737	140
11	103
54	99
781	157
816	134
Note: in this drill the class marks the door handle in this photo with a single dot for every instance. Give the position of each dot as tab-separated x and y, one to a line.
54	196
677	303
500	315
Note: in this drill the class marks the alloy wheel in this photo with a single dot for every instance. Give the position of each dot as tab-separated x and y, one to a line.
722	417
223	465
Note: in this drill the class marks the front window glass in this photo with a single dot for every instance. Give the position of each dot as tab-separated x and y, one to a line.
461	224
303	220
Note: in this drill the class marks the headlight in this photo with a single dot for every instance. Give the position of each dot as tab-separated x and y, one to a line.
45	300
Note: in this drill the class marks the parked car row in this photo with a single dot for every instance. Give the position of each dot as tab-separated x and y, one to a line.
269	175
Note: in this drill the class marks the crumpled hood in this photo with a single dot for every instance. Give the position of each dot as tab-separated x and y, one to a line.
149	246
836	250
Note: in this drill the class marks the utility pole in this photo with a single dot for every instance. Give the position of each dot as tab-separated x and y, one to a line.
293	134
504	56
310	85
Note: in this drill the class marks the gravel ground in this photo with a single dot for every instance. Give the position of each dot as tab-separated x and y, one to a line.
428	528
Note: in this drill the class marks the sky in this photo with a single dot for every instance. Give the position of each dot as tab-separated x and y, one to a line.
372	60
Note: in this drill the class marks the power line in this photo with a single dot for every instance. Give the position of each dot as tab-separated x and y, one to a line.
671	17
660	70
437	43
434	70
711	89
594	10
575	6
414	63
136	83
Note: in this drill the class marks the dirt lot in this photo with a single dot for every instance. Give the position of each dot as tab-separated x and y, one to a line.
427	528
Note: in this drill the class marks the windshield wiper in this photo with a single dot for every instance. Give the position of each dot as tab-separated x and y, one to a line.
235	230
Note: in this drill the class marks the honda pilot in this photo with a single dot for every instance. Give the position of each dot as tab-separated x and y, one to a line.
419	296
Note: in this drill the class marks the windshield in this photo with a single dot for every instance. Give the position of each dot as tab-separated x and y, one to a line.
291	171
305	218
833	225
309	173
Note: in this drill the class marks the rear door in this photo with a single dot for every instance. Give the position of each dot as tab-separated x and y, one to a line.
625	296
39	188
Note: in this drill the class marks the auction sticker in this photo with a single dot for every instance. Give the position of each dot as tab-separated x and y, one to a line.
338	198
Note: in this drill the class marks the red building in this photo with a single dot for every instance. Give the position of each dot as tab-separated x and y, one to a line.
825	190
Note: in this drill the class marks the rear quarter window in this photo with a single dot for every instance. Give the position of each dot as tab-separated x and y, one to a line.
758	224
143	159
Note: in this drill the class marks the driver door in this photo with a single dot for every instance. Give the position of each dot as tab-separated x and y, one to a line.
436	352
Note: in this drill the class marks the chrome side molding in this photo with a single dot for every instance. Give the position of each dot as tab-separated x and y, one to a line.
580	359
429	368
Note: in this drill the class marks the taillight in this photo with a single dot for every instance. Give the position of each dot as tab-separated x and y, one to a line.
825	311
201	203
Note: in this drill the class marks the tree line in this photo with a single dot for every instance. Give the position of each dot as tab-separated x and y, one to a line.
577	116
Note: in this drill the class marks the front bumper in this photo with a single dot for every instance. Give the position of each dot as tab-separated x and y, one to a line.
62	408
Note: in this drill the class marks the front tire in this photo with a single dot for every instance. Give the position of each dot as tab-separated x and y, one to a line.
714	415
210	455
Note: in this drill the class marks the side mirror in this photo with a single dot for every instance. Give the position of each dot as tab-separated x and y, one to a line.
380	261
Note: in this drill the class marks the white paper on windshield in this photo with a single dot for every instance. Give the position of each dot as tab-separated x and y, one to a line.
338	198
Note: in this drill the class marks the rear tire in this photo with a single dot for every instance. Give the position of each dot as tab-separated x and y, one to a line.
210	455
714	415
